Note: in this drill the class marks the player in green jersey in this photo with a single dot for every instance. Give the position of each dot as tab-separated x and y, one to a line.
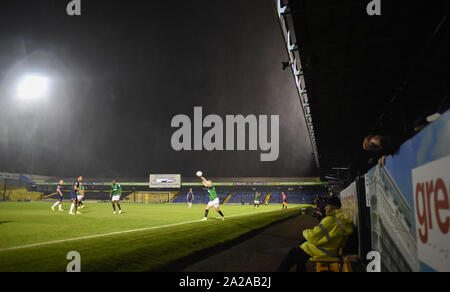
80	197
257	197
214	200
115	194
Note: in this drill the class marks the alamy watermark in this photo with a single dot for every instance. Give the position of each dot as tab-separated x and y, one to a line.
74	266
374	266
227	135
374	8
74	8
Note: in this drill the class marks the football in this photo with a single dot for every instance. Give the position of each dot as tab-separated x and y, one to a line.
199	173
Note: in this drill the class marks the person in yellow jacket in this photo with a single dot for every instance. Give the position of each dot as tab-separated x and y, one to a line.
325	240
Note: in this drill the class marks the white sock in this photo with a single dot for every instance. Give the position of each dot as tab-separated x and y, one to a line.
60	206
71	207
56	204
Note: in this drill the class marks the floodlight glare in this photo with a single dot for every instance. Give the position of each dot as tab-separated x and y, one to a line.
32	87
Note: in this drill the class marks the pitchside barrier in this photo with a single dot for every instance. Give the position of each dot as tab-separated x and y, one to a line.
354	209
406	204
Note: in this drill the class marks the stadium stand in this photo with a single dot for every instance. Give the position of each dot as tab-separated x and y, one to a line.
230	190
247	198
17	193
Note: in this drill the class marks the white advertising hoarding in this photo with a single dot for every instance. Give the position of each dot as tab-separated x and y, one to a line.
165	181
431	184
349	199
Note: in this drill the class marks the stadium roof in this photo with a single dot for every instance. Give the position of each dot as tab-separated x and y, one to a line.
187	182
369	74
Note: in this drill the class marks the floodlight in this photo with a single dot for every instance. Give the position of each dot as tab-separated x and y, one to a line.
32	87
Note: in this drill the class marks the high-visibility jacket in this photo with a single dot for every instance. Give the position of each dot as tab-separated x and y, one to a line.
326	239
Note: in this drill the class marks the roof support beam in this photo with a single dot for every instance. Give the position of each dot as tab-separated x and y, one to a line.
287	30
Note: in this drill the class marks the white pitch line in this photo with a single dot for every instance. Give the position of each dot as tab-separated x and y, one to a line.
122	232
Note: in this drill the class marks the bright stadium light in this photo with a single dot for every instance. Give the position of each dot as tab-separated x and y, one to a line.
32	87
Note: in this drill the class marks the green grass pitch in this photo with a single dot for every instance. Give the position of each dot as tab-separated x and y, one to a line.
143	238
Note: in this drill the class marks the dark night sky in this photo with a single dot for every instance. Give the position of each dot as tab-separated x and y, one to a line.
124	69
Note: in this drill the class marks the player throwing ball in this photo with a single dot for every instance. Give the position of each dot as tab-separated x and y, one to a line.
115	194
214	200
